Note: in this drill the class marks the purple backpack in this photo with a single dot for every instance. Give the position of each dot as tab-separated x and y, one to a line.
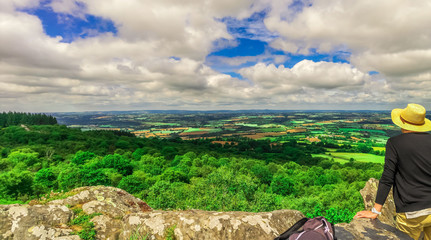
317	228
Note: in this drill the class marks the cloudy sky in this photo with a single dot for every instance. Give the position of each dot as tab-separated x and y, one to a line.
83	55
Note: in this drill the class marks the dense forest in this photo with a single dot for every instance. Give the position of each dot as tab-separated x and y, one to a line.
14	118
249	175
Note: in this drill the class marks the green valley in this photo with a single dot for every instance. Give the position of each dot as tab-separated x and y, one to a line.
315	162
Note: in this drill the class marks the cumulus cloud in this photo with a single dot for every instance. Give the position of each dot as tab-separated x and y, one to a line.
326	75
383	26
184	29
389	37
158	56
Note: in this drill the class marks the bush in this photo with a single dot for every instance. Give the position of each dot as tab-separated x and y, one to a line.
82	157
283	185
44	180
118	162
16	183
134	183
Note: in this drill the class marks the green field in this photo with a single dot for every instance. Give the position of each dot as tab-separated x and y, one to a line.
343	157
247	124
166	132
379	148
161	124
272	130
325	123
193	130
297	122
363	130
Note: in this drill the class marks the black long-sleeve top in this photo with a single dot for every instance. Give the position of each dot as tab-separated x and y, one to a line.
408	169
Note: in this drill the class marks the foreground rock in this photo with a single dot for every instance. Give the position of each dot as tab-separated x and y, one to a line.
197	224
126	217
377	229
369	193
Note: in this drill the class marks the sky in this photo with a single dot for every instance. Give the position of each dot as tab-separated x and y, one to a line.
97	55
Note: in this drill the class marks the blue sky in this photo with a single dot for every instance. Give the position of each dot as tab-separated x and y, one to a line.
68	26
67	55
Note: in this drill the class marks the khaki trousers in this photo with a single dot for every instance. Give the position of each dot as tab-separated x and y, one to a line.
415	226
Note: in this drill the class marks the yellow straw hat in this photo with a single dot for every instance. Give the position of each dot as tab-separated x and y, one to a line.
411	118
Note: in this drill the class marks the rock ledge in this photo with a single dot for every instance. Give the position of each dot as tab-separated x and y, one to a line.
123	216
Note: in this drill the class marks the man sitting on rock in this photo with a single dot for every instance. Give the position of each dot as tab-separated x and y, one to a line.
408	169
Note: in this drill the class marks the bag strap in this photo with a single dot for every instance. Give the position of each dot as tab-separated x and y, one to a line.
292	229
329	226
333	230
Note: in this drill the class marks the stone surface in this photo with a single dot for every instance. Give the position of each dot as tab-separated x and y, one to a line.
107	228
197	224
369	193
33	222
367	229
126	217
110	201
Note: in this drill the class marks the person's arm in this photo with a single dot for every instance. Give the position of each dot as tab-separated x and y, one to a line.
385	183
388	175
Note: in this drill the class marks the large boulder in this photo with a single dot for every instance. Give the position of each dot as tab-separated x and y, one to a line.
51	220
197	224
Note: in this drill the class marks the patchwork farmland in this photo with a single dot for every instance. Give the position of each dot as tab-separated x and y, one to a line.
345	136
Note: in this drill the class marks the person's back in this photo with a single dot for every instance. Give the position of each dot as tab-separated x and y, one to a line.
412	180
408	170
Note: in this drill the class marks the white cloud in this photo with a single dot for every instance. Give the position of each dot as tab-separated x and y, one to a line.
402	63
383	26
389	36
71	7
23	42
157	58
306	73
183	29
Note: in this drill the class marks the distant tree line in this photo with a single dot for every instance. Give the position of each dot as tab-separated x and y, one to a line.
17	118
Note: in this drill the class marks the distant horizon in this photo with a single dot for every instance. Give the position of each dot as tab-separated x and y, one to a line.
226	110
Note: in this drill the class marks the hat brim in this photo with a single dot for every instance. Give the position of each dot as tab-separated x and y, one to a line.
396	119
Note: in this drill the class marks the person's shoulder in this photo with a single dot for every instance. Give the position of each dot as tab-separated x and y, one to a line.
394	138
411	135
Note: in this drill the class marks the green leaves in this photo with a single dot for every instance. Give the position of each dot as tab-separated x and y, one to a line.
81	157
283	185
118	162
16	183
334	215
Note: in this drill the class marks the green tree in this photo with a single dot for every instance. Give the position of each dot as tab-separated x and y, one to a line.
283	185
81	157
69	178
24	155
262	172
136	182
118	162
46	178
172	175
16	183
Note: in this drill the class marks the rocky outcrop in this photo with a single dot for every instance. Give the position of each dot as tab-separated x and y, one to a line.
369	193
197	224
367	229
123	216
35	222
